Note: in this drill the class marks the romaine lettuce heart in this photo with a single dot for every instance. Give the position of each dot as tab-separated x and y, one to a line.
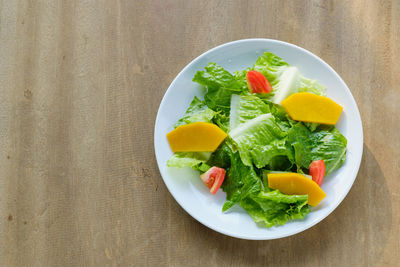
260	140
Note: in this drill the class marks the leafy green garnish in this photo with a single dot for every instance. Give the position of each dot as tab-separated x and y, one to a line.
195	160
197	111
220	85
327	144
274	208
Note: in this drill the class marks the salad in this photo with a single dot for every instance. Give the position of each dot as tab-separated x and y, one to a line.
264	135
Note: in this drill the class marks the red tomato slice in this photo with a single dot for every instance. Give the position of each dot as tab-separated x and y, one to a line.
213	178
317	171
257	82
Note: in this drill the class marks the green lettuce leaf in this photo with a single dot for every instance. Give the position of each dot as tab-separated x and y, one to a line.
274	208
220	85
194	160
215	76
245	108
241	181
310	86
222	120
325	143
282	163
240	77
222	156
260	140
312	126
197	111
285	80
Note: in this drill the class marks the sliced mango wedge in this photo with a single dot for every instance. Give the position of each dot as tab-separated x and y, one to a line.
296	184
198	136
309	107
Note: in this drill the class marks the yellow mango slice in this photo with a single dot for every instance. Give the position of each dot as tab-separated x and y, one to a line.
312	108
198	136
291	183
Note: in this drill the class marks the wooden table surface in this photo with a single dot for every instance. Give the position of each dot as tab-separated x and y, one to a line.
80	85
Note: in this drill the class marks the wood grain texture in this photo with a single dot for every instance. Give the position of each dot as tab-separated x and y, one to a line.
80	85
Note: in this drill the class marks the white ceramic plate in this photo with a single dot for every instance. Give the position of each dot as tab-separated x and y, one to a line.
185	184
